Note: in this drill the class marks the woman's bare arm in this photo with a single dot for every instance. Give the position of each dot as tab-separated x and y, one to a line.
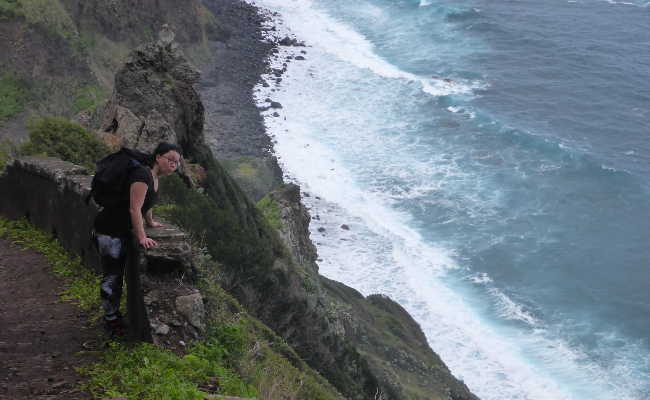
137	195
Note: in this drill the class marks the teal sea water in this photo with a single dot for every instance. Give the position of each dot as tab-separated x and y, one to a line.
492	160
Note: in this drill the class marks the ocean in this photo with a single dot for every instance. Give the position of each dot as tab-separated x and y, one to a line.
492	162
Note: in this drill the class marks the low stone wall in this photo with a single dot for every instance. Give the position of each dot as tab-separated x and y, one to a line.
163	305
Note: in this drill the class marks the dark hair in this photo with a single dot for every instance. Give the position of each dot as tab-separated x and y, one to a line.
163	148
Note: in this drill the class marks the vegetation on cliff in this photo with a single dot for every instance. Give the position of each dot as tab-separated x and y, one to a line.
69	141
13	95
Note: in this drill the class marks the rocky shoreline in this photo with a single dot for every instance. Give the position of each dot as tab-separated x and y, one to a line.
227	87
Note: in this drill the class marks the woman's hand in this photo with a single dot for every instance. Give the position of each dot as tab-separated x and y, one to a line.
147	243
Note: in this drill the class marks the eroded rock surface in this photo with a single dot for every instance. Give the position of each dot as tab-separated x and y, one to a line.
295	225
154	99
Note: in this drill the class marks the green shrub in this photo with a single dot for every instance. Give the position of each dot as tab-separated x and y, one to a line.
58	137
234	232
8	9
271	211
13	95
89	98
51	15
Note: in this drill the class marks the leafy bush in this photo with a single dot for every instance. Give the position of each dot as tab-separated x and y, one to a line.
271	211
234	231
58	137
13	95
51	14
88	98
8	9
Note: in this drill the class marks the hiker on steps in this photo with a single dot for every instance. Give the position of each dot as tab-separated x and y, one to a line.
126	186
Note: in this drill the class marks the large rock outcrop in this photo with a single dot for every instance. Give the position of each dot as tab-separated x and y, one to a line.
154	99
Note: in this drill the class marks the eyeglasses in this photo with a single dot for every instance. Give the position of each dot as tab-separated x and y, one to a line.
171	160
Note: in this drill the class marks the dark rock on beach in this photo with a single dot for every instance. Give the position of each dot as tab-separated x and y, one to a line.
287	41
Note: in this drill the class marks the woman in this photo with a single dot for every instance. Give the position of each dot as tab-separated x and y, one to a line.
114	226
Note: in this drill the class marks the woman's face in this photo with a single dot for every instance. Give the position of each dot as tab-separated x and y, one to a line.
168	162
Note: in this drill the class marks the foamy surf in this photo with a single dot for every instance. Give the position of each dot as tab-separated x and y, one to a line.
324	32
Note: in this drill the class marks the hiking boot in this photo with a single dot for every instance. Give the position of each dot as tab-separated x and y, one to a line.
116	328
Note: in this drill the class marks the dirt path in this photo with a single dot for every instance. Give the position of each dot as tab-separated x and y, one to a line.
41	339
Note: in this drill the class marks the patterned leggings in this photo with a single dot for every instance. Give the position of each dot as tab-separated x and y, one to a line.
113	252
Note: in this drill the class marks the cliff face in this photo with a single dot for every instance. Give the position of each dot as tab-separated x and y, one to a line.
154	99
365	346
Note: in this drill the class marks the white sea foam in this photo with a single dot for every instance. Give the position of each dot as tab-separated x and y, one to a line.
319	126
327	34
510	310
480	279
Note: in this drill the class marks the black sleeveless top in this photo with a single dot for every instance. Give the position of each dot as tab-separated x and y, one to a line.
117	221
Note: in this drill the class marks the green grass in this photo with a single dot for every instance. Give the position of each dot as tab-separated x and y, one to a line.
13	95
51	15
271	211
8	9
146	372
88	98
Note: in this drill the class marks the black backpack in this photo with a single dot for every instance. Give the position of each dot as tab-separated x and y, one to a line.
109	186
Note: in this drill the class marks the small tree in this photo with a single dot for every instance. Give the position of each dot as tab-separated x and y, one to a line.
58	137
